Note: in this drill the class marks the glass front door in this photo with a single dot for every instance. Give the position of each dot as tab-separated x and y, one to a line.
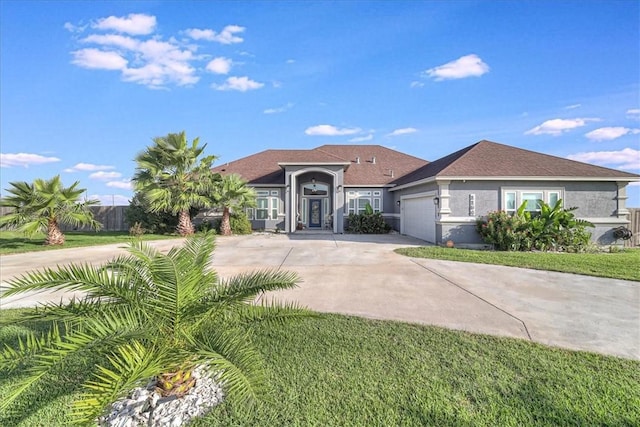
315	213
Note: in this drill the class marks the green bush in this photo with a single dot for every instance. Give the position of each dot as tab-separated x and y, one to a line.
367	222
553	228
240	223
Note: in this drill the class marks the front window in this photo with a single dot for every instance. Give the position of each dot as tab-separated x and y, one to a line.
358	200
267	205
512	199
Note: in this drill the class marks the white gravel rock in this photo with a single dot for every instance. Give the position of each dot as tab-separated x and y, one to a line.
144	402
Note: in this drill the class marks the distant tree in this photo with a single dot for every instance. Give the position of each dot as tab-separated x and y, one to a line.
44	205
152	222
172	177
232	194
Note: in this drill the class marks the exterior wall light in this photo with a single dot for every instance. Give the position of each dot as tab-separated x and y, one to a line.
436	201
398	203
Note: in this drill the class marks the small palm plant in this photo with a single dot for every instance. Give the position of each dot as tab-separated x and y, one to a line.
152	315
44	205
233	194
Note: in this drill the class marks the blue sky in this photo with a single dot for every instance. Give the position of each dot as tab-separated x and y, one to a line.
85	86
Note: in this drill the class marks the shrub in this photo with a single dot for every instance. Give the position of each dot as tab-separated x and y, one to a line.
240	223
553	228
367	222
136	230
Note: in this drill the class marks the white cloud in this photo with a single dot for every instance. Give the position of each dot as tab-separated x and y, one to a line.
403	131
116	40
124	184
219	65
241	84
625	159
556	127
290	61
572	106
465	66
104	176
88	167
328	130
8	160
110	199
282	109
74	28
226	36
609	133
633	113
154	62
415	84
134	24
98	59
362	138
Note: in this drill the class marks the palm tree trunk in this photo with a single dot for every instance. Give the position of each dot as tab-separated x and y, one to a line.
185	226
225	225
54	234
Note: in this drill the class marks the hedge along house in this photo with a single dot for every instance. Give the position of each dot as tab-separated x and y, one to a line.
434	201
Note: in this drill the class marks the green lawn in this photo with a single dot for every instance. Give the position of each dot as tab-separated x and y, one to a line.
343	371
617	265
12	242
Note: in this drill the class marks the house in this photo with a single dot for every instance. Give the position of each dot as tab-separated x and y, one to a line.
434	201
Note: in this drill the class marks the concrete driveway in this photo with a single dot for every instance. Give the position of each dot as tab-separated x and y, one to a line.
361	275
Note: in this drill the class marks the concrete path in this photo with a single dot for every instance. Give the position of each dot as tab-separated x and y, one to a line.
361	275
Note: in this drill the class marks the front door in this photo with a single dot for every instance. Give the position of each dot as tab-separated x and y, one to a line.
315	213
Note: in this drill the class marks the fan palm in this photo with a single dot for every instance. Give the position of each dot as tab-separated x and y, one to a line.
152	315
45	205
174	178
233	193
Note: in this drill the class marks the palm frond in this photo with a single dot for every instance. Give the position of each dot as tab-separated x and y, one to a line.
32	344
274	312
246	286
132	364
106	333
229	352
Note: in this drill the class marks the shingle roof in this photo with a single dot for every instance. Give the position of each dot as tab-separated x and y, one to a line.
482	159
491	159
263	167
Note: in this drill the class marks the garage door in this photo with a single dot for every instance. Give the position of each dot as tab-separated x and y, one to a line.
419	219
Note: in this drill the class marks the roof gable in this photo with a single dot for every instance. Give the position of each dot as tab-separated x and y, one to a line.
365	164
491	159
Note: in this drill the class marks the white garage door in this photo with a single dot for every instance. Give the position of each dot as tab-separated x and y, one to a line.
418	218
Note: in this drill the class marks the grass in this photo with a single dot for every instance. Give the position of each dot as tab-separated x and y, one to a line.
616	265
337	370
12	242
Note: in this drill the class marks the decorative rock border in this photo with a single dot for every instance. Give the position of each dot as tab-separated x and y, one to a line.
145	407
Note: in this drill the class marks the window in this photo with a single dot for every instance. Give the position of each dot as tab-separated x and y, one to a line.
267	205
513	199
358	200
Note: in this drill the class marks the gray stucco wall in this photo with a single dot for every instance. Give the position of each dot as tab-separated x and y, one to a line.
596	202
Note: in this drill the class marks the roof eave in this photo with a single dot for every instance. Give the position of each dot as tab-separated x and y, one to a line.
281	164
538	178
516	178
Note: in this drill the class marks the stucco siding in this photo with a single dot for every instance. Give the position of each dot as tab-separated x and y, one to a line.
593	199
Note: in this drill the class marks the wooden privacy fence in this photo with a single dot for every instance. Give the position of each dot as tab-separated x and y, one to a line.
111	217
634	226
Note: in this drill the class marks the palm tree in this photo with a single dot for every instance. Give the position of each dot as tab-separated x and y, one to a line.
233	194
150	315
173	177
44	205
